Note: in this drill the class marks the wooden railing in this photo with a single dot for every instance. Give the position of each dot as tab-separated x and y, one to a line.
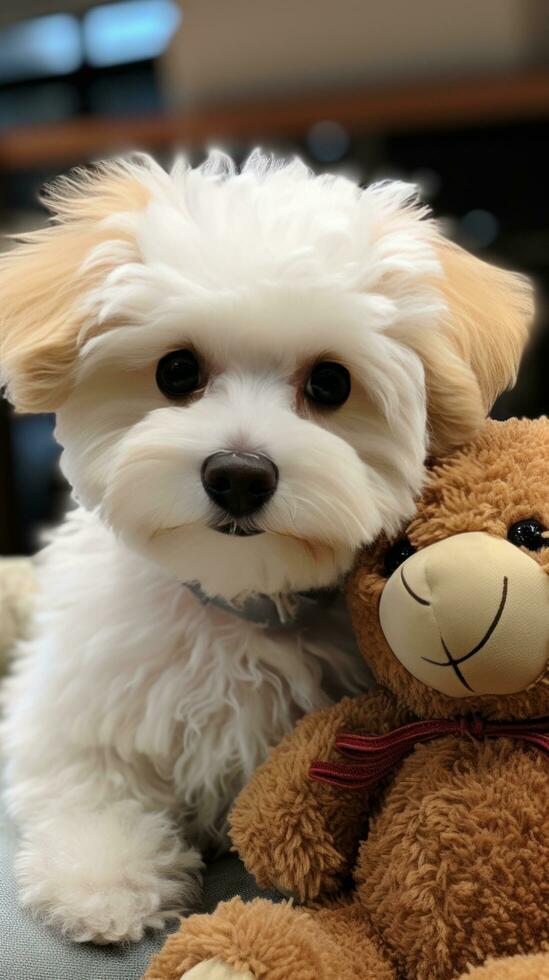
442	103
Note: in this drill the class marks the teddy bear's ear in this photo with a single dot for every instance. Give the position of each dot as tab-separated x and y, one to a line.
476	354
45	277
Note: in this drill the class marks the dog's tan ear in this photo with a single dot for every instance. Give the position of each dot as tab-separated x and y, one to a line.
476	354
43	280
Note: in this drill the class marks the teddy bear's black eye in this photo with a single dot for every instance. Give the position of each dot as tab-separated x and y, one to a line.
400	550
329	384
178	374
528	534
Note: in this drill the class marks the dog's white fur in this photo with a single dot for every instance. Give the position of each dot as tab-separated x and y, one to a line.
135	714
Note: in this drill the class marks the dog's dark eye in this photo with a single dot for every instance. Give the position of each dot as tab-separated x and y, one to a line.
400	550
178	373
329	384
528	534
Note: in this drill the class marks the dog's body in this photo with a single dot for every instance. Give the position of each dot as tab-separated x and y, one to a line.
133	689
266	354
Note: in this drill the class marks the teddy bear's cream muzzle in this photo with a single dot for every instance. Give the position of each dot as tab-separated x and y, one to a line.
469	616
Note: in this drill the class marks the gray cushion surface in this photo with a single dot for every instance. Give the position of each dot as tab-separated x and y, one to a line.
30	951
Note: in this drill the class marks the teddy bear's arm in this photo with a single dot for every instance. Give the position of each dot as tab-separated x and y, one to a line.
293	832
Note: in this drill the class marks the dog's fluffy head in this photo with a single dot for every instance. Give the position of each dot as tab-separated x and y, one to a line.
261	273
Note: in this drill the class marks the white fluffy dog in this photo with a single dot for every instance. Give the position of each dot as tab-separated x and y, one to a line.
248	369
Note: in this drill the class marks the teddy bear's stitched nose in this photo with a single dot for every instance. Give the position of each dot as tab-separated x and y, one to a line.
469	616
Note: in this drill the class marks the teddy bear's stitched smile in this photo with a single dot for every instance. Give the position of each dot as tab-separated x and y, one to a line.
454	662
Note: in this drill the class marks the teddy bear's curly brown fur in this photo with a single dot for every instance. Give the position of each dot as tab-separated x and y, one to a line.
452	873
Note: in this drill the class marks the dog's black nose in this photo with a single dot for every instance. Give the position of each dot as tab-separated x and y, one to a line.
240	483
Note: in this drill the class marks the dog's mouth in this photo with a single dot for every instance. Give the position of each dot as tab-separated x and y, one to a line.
236	530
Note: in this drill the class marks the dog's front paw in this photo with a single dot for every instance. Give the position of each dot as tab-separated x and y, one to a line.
216	970
106	877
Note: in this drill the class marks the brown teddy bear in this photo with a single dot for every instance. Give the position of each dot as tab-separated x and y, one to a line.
433	791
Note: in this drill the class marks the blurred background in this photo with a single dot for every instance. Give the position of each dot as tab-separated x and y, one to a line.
452	96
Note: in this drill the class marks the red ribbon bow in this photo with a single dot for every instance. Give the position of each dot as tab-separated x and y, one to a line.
376	755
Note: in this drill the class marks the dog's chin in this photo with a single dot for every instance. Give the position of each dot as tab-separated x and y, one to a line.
228	562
